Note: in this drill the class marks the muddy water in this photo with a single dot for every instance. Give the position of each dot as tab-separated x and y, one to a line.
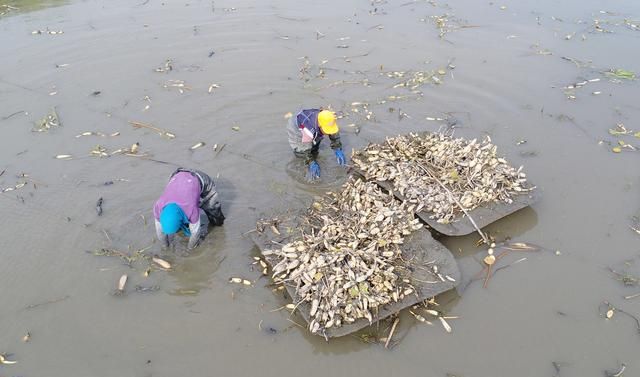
504	79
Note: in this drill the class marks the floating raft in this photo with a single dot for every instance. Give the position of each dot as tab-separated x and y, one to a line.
483	215
419	249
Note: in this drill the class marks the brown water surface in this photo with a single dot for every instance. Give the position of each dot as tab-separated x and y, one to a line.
504	78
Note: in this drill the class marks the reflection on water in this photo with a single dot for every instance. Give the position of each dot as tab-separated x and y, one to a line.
12	7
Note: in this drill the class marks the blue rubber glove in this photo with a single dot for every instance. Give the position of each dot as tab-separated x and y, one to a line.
340	157
314	170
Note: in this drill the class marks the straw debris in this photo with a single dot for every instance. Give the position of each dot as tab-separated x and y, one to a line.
346	261
461	173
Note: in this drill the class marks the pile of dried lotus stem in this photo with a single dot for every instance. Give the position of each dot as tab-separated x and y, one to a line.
418	166
346	260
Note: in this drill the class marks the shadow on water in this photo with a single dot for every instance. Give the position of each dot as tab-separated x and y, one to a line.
509	227
377	333
14	7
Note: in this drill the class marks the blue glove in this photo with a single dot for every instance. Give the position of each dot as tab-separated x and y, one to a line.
340	157
314	170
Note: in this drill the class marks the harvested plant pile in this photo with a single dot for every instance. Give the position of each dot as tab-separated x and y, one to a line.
346	261
421	166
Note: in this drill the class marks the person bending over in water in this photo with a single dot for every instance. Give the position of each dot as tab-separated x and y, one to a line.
306	130
188	204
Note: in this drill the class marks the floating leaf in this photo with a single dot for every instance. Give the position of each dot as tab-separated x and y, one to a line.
616	149
637	134
235	128
622	74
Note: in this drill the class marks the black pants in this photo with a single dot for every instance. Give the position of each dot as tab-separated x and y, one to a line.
209	198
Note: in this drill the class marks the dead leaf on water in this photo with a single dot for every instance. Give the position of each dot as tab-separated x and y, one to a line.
616	149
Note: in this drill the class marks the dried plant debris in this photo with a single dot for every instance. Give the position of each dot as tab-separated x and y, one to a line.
97	133
345	260
446	23
5	361
20	184
49	121
623	146
179	84
416	79
47	31
617	373
438	173
571	89
161	132
166	67
635	225
6	8
127	257
621	130
608	310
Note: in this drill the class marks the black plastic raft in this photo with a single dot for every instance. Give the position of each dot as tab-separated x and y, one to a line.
483	216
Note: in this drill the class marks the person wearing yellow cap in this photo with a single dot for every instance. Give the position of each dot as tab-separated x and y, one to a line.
306	130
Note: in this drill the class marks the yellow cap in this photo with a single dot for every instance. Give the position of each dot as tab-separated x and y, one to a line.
327	122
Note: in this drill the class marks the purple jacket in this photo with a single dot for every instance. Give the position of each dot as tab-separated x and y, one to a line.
184	190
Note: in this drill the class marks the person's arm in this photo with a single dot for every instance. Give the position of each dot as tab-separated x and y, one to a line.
195	238
164	239
336	145
310	155
335	141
